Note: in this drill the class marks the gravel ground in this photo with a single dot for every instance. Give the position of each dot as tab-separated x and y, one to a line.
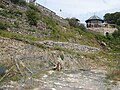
66	80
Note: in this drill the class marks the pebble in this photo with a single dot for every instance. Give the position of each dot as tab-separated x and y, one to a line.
53	89
45	76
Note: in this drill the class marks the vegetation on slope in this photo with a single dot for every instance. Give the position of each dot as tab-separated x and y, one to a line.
114	43
54	31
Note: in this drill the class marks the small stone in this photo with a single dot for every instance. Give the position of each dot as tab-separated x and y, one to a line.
51	72
53	89
45	76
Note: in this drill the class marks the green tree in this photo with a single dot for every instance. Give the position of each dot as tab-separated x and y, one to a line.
112	18
73	22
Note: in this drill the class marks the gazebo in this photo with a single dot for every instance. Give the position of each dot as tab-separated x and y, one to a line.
94	22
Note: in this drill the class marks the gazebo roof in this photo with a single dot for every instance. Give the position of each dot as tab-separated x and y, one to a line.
94	17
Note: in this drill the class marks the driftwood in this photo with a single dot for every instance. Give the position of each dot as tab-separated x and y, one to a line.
7	73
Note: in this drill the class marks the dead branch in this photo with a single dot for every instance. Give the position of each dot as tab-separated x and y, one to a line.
16	63
26	67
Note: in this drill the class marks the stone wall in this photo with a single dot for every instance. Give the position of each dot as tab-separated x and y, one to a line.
103	30
69	46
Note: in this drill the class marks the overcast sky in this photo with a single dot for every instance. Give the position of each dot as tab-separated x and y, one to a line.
81	9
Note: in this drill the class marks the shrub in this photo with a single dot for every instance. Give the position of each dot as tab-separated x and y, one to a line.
73	22
116	34
76	23
82	27
19	2
22	3
51	24
108	36
16	24
3	26
18	13
32	6
32	16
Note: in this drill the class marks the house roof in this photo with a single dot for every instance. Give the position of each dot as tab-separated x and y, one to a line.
94	17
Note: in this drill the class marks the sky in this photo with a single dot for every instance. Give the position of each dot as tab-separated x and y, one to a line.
81	9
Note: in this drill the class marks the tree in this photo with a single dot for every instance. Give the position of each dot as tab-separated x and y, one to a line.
112	18
73	22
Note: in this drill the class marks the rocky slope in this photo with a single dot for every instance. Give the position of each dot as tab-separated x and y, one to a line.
47	54
79	72
50	55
